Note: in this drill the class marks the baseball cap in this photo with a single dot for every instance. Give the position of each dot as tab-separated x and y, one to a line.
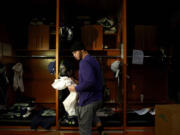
52	67
77	46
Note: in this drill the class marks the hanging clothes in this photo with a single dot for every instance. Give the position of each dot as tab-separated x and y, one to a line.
116	68
4	82
18	77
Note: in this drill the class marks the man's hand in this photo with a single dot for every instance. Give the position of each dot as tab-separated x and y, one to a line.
71	88
74	80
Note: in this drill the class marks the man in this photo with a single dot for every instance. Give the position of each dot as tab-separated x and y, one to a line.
89	88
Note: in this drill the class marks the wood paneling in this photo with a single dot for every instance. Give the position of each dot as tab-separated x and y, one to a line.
92	37
146	37
38	38
151	81
29	133
37	80
140	131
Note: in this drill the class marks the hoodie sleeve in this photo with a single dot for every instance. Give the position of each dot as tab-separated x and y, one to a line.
87	75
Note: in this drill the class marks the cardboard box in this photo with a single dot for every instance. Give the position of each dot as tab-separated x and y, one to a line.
167	119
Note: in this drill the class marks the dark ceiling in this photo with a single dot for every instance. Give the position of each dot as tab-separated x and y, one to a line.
17	14
22	10
151	11
138	11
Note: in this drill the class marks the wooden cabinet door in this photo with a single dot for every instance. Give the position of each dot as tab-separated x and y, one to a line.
44	37
149	81
92	37
38	37
146	37
32	36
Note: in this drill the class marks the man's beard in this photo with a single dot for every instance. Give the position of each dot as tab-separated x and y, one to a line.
80	55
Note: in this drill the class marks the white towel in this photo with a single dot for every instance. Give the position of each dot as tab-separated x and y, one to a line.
18	77
71	100
70	103
62	83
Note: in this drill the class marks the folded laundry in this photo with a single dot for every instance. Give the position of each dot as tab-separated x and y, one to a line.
143	111
106	22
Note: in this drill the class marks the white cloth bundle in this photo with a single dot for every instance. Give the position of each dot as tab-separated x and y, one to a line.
115	67
62	83
70	103
71	100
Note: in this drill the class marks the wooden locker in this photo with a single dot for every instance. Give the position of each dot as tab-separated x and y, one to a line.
38	37
92	37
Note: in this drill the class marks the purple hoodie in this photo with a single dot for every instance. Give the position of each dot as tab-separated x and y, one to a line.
90	81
